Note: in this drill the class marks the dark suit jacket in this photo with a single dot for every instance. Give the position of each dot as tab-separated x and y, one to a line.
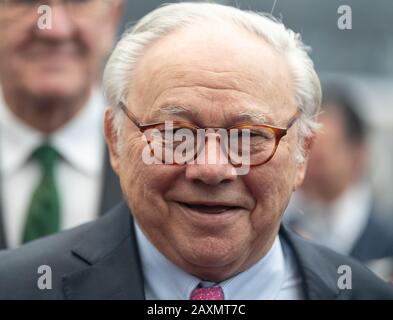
100	260
376	241
110	195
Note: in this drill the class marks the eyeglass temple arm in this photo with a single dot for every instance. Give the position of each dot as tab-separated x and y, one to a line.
129	114
293	119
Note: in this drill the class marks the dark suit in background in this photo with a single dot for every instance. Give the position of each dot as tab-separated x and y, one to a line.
376	241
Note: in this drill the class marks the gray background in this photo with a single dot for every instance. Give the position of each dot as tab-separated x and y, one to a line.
367	48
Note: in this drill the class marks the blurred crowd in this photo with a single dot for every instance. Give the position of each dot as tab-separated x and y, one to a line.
336	206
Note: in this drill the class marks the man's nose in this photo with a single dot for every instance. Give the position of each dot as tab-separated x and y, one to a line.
212	166
61	25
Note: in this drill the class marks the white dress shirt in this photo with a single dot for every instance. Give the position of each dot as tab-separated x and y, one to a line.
275	276
81	146
337	225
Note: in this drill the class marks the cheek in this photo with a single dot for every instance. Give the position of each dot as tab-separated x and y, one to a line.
15	30
131	170
97	47
144	191
10	43
15	35
271	186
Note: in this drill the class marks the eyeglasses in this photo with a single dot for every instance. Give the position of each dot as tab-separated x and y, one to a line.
75	8
261	146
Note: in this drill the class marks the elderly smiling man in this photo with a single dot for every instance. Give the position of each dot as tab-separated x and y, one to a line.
199	229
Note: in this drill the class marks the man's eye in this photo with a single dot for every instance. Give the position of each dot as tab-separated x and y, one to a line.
168	132
263	134
258	135
177	130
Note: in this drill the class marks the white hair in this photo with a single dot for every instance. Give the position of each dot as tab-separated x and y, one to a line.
158	23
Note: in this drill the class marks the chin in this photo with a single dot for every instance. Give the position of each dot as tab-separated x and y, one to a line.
211	253
212	267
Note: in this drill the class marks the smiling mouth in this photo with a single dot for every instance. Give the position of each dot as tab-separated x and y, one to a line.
210	209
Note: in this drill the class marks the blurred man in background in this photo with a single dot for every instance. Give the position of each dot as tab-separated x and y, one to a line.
53	163
335	205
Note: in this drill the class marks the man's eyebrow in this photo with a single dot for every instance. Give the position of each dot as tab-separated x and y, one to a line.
173	110
253	117
243	116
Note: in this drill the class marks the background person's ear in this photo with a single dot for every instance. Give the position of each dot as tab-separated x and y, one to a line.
112	139
302	167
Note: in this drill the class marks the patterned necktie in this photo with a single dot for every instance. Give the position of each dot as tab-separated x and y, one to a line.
209	293
43	217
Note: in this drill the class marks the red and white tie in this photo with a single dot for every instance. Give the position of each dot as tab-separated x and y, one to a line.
209	293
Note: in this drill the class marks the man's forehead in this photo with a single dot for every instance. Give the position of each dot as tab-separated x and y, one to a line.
210	53
209	68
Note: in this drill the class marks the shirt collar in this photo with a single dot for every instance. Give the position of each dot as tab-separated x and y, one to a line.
77	141
349	216
82	137
165	281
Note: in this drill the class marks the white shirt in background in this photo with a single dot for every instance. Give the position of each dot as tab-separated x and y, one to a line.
81	146
337	225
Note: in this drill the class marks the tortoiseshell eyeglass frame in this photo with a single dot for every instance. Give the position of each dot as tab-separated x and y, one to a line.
279	132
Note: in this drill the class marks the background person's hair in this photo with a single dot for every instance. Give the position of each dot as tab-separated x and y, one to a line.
337	95
160	22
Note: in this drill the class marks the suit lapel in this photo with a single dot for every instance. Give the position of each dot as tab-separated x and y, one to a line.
363	249
111	193
319	276
113	268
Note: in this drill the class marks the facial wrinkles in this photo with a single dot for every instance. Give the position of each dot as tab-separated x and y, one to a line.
206	107
238	81
132	154
162	76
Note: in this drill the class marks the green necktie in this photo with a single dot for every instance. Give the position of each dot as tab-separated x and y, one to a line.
43	216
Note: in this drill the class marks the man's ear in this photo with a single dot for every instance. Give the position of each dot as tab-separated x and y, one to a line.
112	139
302	167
